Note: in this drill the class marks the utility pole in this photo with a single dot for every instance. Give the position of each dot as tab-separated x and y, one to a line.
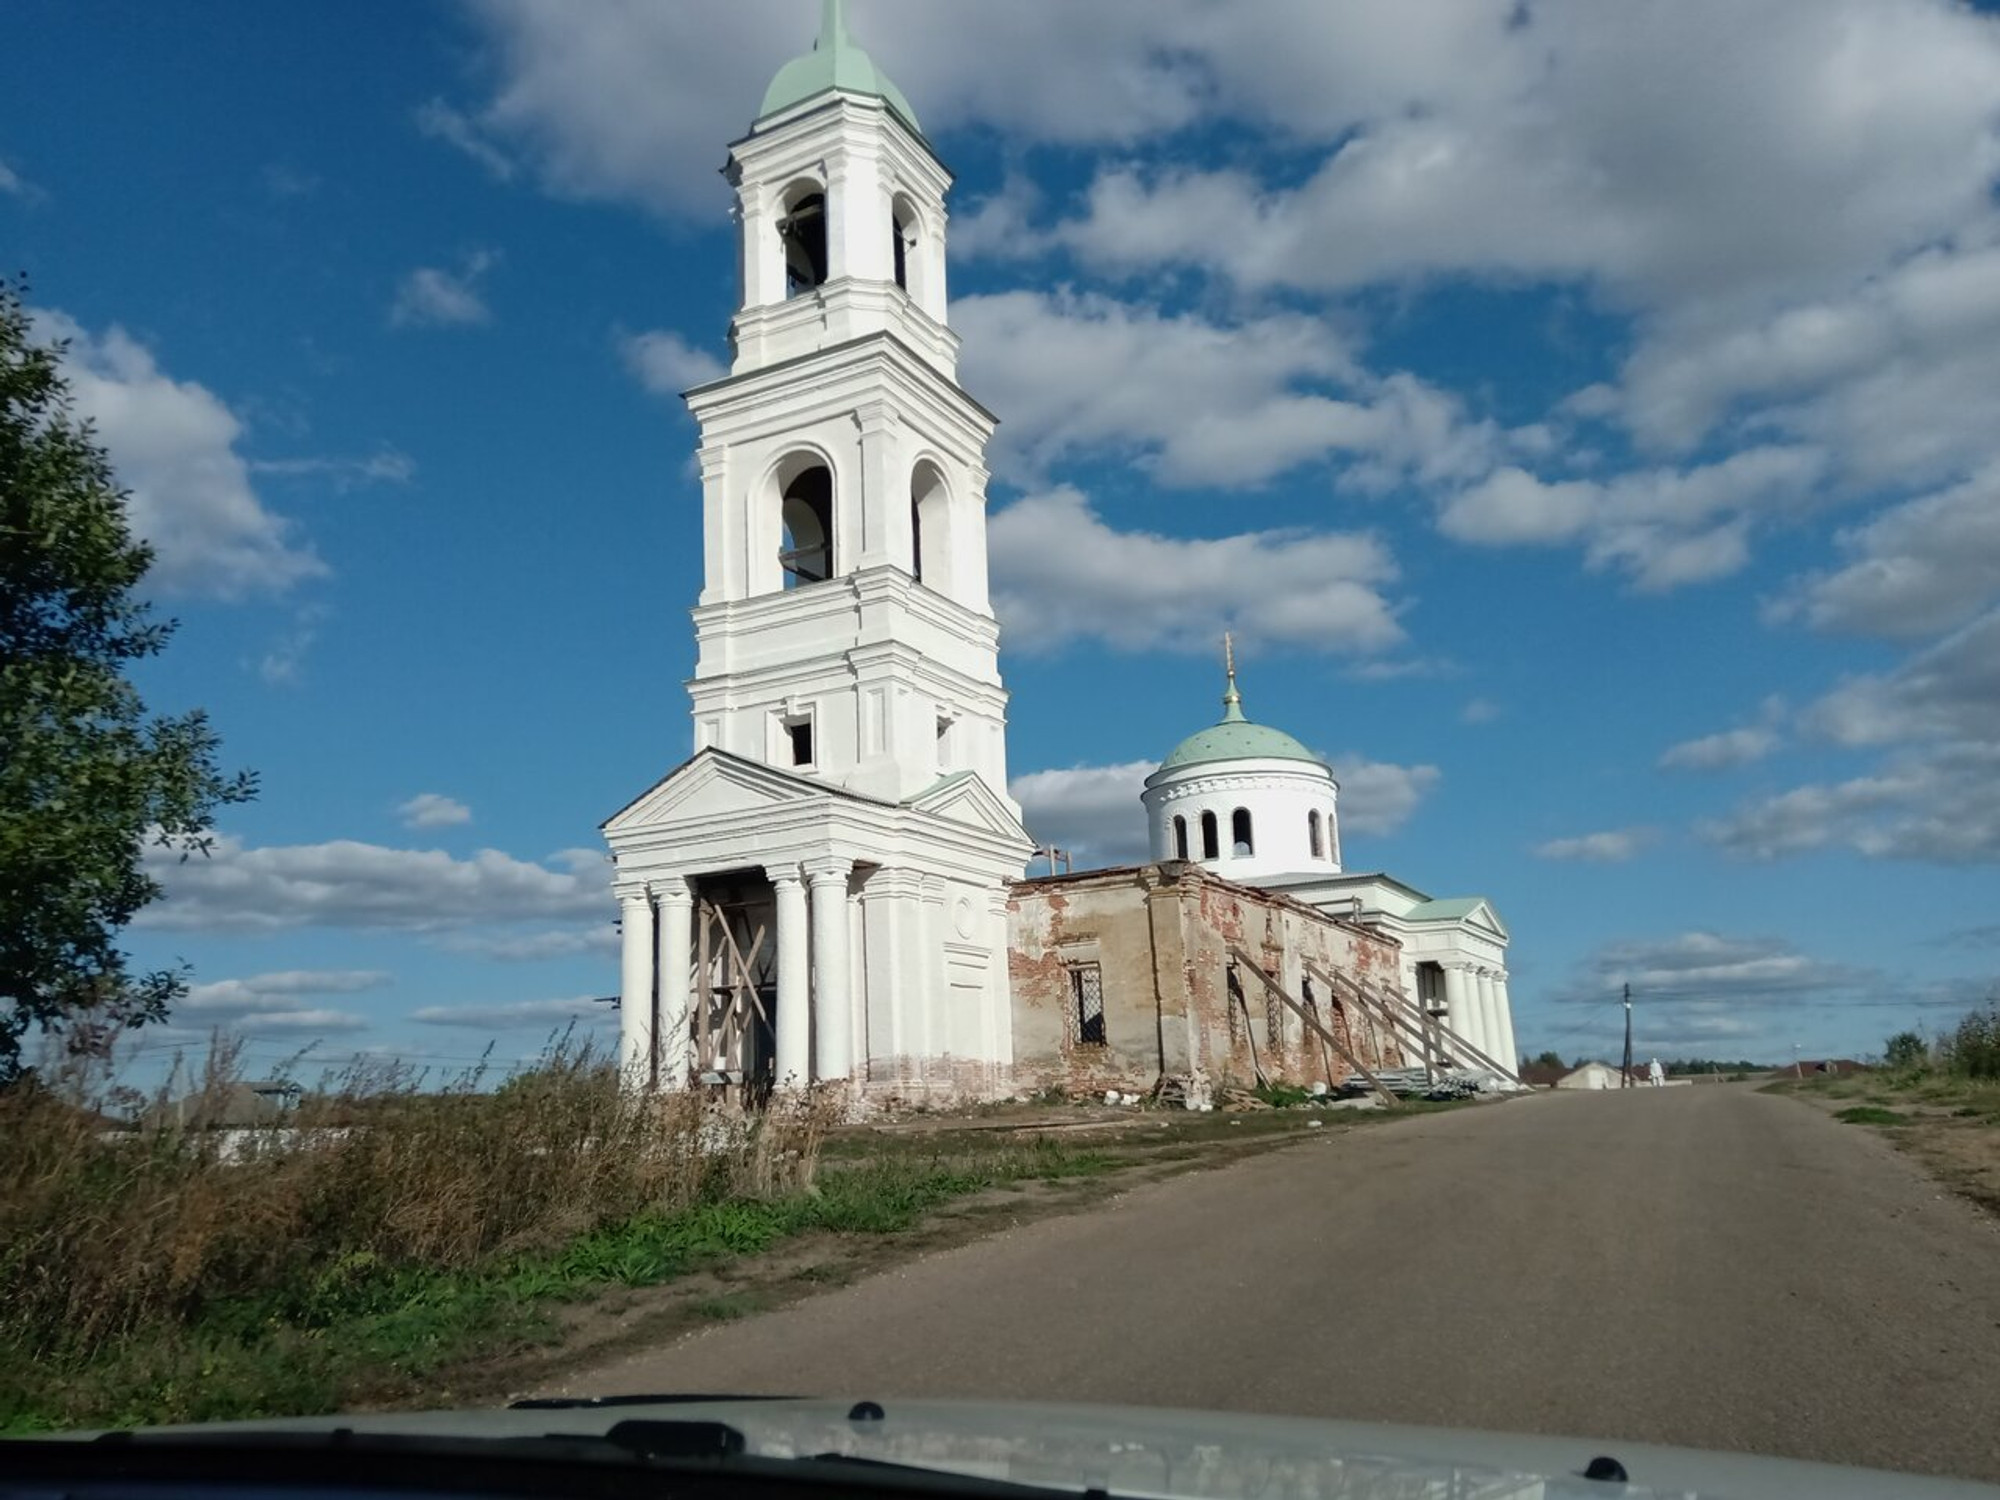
1625	1073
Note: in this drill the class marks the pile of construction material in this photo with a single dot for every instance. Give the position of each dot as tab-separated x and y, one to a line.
1415	1083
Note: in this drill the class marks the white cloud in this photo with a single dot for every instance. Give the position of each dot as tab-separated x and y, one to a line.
387	466
999	225
433	810
1948	691
274	1004
1935	794
1480	711
1200	402
1378	797
173	446
440	122
1060	573
1511	507
266	991
599	938
1664	149
12	183
1719	752
667	364
1611	846
1893	373
517	1015
1664	528
1708	967
348	884
1938	806
1919	569
284	659
1093	812
431	297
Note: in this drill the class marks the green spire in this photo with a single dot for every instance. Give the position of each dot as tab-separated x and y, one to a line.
835	62
1232	701
832	27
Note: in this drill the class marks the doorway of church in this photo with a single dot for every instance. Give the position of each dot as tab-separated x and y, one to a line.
735	990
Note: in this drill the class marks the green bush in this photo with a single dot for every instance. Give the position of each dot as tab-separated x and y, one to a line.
1972	1050
1906	1052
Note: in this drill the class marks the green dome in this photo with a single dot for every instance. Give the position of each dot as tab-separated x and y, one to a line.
834	63
1234	737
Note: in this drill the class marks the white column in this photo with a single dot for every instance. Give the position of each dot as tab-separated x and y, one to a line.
1458	1011
892	967
932	992
937	301
635	990
1513	1054
1489	1018
794	1020
763	262
832	1007
883	511
676	1016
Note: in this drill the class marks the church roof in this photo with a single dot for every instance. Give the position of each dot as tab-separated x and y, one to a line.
834	63
1234	737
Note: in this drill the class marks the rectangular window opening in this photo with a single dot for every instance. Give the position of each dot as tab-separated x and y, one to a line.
799	739
1086	985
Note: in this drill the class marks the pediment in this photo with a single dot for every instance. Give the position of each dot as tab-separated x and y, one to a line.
714	784
1475	912
965	798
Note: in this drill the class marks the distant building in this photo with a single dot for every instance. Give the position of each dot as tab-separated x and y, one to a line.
1592	1075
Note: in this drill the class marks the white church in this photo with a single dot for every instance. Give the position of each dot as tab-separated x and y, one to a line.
831	891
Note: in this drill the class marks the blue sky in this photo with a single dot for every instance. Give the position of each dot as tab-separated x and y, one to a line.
1586	415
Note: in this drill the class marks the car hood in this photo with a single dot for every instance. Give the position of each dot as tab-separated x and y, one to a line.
1174	1455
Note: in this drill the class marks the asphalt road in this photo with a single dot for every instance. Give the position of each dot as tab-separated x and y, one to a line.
1701	1266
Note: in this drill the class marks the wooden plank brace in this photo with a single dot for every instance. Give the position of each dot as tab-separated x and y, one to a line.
1313	1024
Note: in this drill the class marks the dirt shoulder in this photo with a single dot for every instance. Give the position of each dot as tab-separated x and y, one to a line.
1949	1126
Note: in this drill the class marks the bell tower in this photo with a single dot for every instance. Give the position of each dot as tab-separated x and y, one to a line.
818	896
844	626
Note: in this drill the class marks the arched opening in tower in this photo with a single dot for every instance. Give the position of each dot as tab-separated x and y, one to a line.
805	550
803	233
930	528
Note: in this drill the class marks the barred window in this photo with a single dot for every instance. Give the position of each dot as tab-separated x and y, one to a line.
1086	986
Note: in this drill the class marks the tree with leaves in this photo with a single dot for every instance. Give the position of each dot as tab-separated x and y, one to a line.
87	778
1906	1051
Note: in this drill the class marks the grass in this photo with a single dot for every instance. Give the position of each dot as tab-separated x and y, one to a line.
368	1335
1871	1114
387	1241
